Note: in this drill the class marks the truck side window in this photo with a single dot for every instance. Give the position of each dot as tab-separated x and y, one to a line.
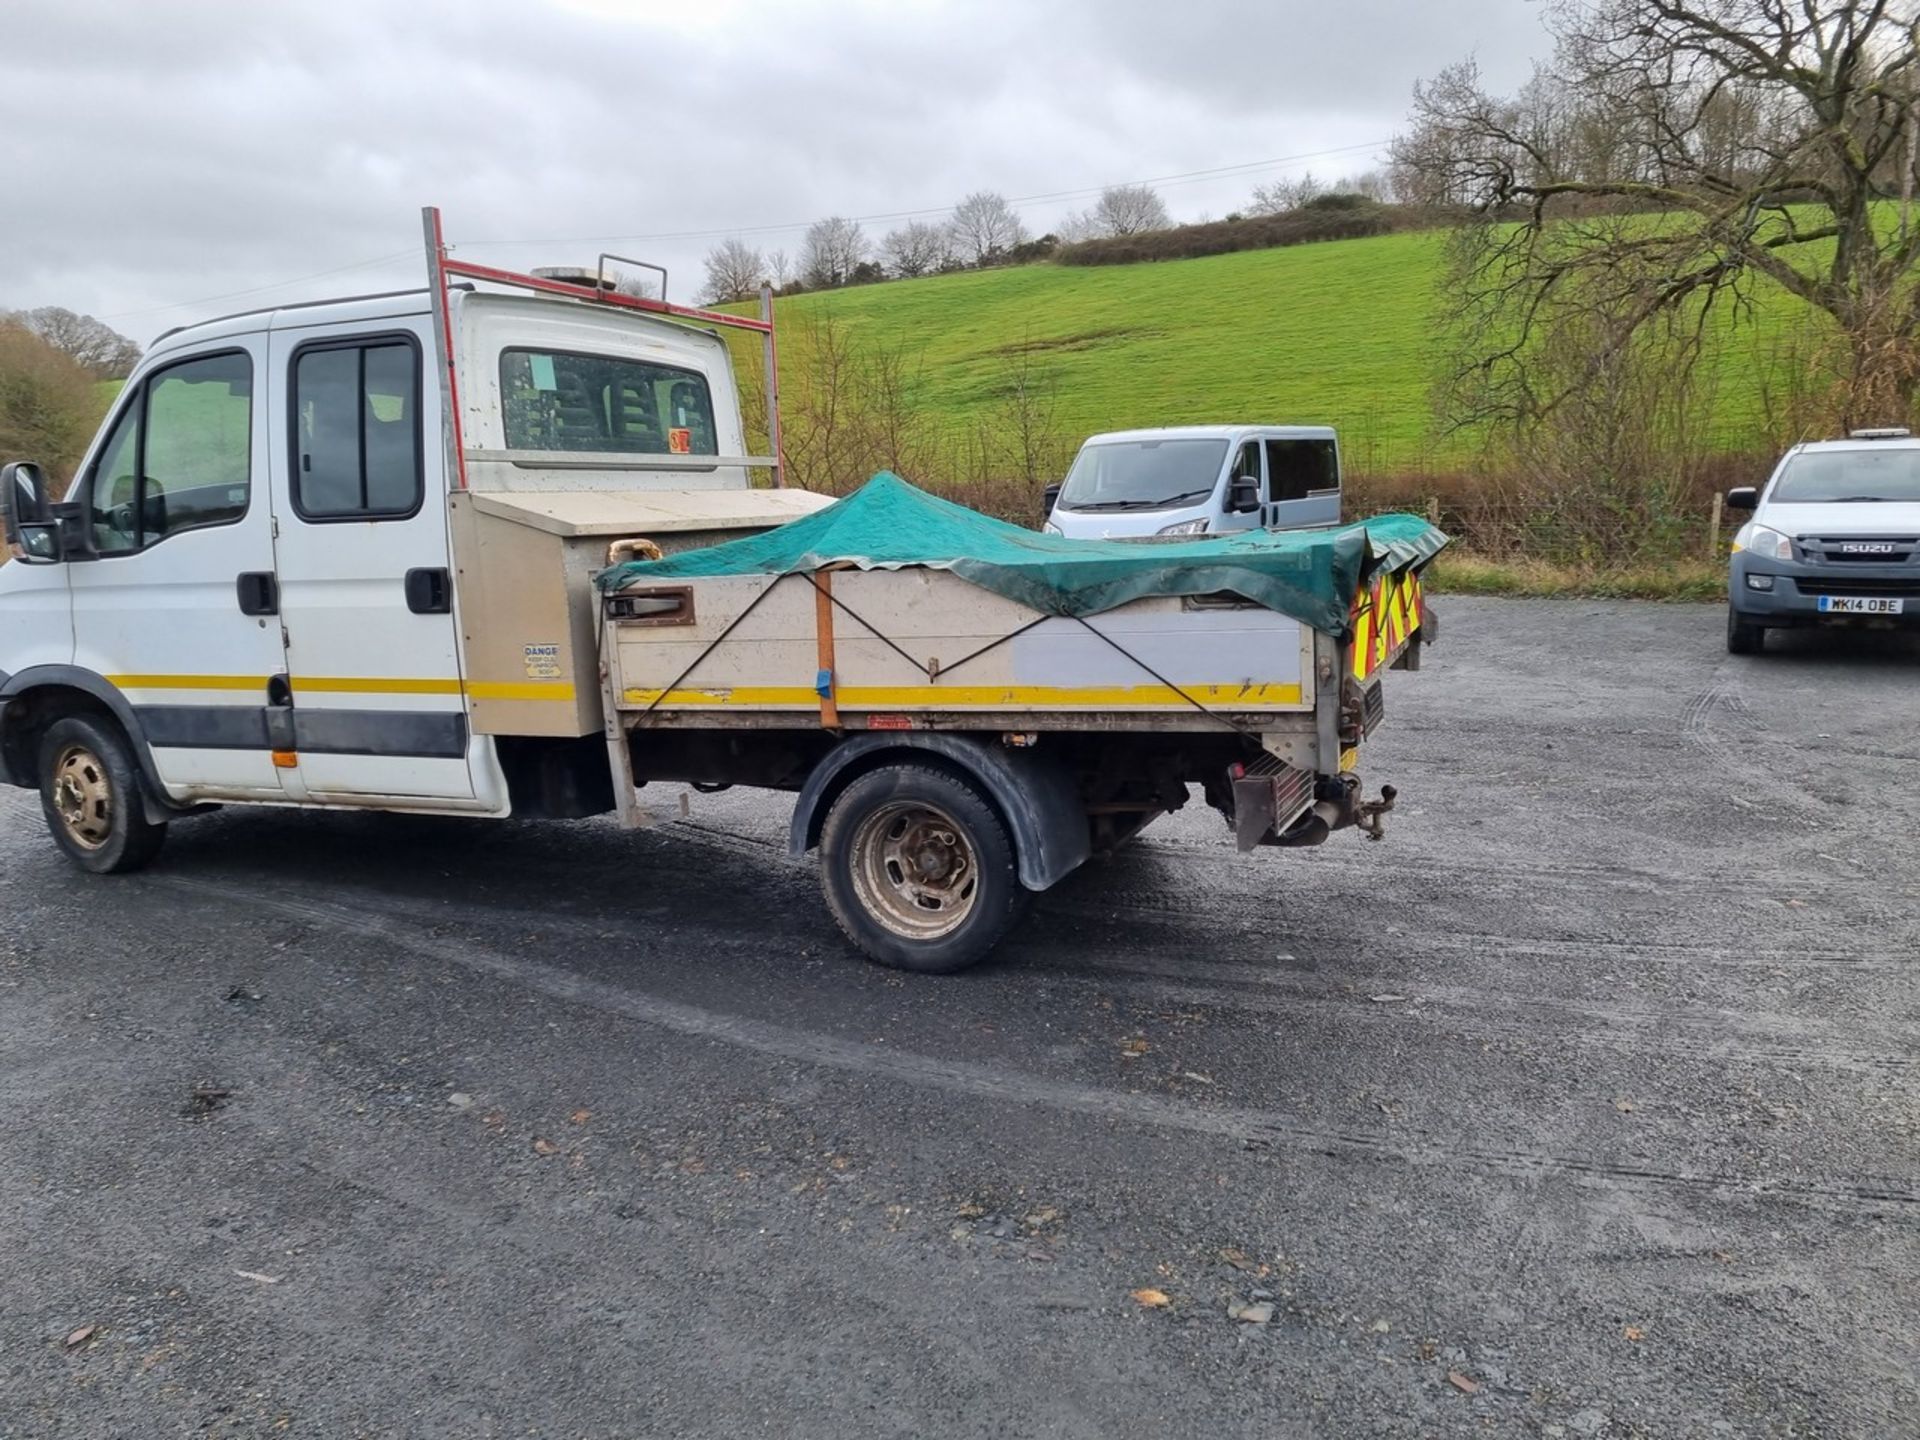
1297	467
179	457
356	430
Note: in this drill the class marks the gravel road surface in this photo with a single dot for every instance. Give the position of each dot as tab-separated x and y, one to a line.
1585	1105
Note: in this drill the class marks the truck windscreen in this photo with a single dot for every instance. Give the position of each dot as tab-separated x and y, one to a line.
1142	474
1837	476
559	401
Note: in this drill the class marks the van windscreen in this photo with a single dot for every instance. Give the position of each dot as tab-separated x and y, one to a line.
1142	474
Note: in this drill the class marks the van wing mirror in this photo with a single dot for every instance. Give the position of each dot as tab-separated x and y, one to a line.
23	496
1243	493
1745	497
1050	497
31	533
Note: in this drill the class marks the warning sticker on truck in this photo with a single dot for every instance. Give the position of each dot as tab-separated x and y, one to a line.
543	662
680	441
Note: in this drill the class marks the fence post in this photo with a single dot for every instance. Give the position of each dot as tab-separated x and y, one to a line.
1433	511
1713	528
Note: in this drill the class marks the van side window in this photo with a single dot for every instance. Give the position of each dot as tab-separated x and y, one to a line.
1247	462
1295	468
179	457
356	430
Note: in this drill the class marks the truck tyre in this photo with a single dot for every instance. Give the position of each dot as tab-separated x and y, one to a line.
90	794
919	869
1744	638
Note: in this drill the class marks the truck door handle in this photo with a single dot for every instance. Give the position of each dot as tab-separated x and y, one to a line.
429	592
259	593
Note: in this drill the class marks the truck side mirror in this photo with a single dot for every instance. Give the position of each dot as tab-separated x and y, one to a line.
1746	497
31	533
1050	497
1243	493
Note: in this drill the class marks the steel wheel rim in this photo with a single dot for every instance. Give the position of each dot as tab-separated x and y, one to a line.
916	870
83	797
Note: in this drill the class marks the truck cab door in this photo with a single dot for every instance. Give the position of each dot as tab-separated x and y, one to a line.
364	575
174	605
1303	482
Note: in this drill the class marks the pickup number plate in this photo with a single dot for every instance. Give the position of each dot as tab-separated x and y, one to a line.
1861	605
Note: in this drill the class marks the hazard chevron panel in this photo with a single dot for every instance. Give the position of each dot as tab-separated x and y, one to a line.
1386	613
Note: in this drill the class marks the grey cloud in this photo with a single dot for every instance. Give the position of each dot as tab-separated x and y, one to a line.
168	153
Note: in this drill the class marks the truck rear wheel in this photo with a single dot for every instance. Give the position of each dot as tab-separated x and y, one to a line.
919	869
90	794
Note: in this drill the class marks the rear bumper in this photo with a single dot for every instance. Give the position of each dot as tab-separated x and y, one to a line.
1792	592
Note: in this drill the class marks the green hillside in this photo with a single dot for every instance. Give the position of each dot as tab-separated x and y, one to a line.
1338	332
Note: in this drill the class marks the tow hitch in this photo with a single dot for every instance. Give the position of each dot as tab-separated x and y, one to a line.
1275	804
1372	811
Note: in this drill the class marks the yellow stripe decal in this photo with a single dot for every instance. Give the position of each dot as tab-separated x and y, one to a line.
372	685
537	690
188	682
939	697
352	685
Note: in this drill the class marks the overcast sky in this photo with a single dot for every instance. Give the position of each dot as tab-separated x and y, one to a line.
160	156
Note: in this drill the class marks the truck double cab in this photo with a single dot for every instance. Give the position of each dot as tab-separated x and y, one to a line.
1833	540
1198	480
495	548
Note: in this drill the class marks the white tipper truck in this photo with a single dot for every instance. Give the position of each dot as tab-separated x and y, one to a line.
344	555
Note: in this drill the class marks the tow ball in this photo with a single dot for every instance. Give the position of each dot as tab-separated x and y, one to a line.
1372	811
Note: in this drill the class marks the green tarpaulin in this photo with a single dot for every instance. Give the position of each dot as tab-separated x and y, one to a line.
888	524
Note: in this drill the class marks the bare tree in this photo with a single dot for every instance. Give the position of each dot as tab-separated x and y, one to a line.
916	248
850	406
1767	133
1130	210
985	227
779	269
1284	195
640	287
735	271
1281	196
90	343
1077	226
831	252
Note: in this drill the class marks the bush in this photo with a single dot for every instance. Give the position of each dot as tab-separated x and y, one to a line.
1342	200
48	407
1315	221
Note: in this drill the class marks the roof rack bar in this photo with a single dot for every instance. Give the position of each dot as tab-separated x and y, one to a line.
440	266
588	292
606	255
437	269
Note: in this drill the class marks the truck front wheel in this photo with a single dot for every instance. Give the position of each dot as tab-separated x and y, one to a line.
90	793
919	869
1744	637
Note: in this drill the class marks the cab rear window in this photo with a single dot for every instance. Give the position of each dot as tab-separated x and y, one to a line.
555	400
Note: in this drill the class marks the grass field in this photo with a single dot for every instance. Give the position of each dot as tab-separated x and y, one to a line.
1340	332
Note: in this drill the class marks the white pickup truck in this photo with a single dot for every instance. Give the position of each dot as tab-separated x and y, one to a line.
456	550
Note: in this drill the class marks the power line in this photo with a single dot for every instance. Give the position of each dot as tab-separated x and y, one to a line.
1185	177
261	289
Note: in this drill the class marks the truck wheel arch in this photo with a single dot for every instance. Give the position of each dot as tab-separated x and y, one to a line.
1039	801
35	698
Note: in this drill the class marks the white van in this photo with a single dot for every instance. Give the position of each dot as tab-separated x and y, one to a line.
1199	480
